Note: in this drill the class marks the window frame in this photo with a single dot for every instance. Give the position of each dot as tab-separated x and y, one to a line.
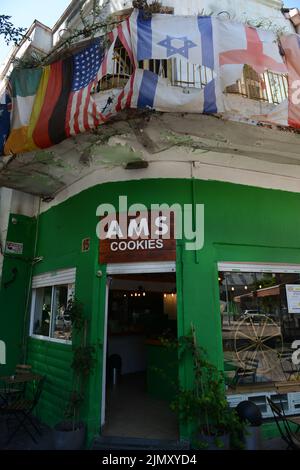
51	279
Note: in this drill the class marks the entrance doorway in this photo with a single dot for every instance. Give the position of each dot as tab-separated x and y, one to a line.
140	370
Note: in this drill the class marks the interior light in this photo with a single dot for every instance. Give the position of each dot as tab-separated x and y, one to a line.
246	287
139	295
165	296
232	288
144	293
219	279
131	295
172	294
125	295
135	295
260	286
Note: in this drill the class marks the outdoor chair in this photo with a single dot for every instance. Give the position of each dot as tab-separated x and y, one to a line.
283	424
287	366
247	372
22	409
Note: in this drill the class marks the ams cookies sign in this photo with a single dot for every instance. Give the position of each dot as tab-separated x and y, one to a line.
147	237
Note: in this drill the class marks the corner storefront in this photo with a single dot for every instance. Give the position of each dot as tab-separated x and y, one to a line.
249	234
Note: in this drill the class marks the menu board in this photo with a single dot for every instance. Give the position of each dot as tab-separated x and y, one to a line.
293	297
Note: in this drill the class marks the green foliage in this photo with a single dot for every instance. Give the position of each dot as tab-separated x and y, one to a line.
75	310
204	405
83	363
9	31
84	360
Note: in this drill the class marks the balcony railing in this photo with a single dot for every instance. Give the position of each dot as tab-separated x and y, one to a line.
268	87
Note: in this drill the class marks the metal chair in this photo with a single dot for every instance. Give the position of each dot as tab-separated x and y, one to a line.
284	426
22	410
249	371
287	366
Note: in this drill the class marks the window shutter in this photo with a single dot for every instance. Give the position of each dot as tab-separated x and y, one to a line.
54	278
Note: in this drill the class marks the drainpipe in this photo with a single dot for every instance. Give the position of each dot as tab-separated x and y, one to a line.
34	260
194	207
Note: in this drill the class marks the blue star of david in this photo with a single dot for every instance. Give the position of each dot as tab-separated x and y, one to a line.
171	50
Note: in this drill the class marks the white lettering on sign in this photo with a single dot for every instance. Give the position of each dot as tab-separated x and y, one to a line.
136	245
135	229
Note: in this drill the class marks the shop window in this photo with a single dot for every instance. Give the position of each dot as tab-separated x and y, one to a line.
49	308
269	87
260	318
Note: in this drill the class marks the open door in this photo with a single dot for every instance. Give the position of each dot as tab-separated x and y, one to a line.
139	371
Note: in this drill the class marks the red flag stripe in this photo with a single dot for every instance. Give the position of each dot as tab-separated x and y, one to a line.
40	134
124	40
86	108
130	93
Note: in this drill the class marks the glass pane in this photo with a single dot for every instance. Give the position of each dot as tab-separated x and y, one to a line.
260	317
62	325
42	311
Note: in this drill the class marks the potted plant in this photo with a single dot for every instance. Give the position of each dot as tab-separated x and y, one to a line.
203	406
70	433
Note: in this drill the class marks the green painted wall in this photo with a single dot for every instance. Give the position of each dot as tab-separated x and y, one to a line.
13	297
241	224
52	360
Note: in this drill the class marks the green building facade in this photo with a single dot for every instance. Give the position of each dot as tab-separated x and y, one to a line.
242	224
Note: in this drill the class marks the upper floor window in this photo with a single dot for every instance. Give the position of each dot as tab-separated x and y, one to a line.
51	295
179	72
269	87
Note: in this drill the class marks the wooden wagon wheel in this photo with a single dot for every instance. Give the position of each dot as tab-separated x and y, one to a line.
258	337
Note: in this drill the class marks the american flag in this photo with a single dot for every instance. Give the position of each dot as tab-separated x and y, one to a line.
82	113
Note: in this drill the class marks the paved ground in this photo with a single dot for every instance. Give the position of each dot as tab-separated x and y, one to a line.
23	441
45	442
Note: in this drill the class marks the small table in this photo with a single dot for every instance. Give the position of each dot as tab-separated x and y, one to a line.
12	385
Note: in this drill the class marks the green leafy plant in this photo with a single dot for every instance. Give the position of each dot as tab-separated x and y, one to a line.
83	362
10	32
203	406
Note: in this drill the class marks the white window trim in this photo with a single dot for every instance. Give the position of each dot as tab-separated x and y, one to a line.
258	267
147	267
52	340
54	278
50	279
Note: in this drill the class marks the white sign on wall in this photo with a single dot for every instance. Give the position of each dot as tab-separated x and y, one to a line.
293	297
14	248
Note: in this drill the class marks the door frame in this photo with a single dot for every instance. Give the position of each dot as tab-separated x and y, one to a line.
125	268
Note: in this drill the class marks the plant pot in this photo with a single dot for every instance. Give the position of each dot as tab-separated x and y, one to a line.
252	438
215	442
65	438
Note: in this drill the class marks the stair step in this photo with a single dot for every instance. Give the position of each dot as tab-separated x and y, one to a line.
133	443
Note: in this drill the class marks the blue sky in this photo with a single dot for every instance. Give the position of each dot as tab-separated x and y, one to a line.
23	13
292	3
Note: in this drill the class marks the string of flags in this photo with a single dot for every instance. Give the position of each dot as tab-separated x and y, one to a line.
42	106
